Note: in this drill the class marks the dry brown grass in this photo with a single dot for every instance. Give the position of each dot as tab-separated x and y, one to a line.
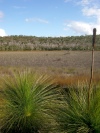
71	60
75	79
67	67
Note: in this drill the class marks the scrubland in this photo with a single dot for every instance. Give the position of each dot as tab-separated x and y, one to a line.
47	92
72	61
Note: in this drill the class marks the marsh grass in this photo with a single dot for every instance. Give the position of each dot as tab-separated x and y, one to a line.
29	103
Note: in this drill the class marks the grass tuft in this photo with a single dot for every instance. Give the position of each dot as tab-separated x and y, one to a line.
29	103
75	117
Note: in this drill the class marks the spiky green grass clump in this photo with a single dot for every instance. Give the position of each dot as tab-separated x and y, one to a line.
28	104
77	116
34	104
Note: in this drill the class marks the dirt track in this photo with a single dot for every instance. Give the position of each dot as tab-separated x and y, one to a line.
72	60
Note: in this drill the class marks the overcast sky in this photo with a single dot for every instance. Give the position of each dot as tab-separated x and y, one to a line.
49	17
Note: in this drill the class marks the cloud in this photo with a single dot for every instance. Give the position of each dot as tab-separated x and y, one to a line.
89	9
84	2
80	27
36	20
92	12
2	32
19	7
80	2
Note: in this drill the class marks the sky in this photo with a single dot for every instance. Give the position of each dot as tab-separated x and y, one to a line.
49	18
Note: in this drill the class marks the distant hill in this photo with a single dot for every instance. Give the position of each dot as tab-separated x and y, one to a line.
22	43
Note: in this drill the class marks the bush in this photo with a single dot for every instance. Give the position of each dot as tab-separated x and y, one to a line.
34	104
77	116
28	104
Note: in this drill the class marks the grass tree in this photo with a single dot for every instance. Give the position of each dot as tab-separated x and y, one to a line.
74	116
81	110
28	104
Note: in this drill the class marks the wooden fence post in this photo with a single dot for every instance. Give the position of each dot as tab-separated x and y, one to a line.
92	65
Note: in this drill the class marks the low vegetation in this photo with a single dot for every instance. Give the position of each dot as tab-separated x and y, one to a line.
55	62
28	104
77	116
31	103
29	43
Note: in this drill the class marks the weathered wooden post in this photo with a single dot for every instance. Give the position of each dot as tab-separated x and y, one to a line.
93	47
92	65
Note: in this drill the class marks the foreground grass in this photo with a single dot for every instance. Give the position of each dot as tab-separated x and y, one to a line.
78	116
31	103
28	104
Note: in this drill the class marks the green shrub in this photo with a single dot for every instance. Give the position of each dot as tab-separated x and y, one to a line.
28	104
76	116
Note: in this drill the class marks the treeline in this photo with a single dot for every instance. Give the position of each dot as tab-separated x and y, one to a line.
22	43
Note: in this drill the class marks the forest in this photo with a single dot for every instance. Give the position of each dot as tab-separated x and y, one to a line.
29	43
